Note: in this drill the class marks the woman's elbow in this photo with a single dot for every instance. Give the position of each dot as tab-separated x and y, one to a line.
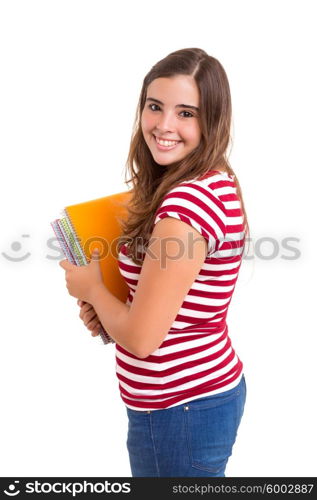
137	349
145	344
142	351
141	355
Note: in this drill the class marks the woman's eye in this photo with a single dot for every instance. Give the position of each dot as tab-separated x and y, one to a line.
188	113
150	106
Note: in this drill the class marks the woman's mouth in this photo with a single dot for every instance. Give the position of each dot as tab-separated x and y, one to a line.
165	145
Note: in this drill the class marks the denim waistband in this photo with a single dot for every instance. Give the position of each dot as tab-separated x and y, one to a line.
219	395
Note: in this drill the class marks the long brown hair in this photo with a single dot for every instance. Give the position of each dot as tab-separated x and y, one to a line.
150	181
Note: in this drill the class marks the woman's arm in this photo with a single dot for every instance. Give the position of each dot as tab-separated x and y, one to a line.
174	257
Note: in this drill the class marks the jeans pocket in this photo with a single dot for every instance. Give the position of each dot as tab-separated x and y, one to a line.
211	426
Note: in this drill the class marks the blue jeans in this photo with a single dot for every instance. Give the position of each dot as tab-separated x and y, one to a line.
188	440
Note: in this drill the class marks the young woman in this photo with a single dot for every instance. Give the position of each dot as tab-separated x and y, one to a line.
180	253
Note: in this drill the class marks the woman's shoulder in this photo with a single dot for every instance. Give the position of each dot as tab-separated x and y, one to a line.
201	190
214	175
194	202
210	183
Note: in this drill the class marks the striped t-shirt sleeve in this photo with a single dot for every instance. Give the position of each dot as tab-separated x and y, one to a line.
198	206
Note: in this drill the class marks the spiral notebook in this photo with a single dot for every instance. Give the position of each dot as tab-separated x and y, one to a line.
95	224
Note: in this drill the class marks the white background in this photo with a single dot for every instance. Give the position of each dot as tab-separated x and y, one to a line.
71	74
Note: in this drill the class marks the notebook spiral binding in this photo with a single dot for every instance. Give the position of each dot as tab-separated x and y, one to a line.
102	332
69	249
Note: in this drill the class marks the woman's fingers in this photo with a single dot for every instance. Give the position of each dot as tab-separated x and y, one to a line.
93	323
89	317
96	330
85	309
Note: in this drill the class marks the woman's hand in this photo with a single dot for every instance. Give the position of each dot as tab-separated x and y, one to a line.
89	317
81	281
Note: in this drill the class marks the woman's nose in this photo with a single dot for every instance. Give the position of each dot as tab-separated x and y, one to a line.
166	122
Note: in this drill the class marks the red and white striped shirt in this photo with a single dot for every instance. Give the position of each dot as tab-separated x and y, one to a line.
196	358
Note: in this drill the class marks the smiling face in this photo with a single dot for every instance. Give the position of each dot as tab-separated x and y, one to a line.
169	119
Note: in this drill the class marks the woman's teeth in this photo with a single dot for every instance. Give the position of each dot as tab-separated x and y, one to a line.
166	143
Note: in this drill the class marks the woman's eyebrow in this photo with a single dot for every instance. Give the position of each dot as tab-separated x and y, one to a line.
177	105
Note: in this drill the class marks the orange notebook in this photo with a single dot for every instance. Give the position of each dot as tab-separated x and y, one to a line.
95	224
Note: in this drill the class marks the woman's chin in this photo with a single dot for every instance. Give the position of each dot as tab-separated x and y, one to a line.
164	161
